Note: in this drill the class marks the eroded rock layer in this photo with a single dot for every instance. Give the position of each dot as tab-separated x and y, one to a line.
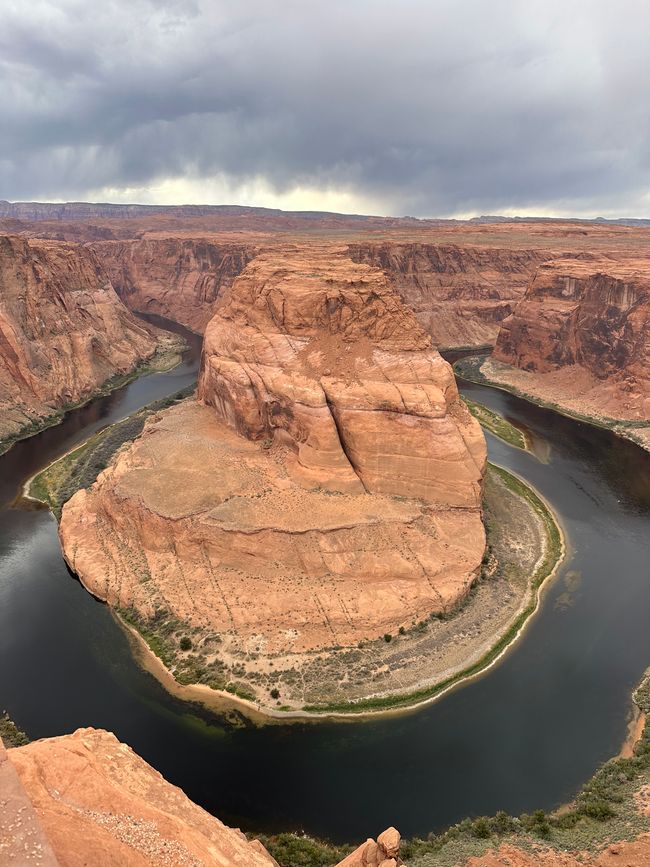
177	278
63	330
581	336
460	294
100	803
326	489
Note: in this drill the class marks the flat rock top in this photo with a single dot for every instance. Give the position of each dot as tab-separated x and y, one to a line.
189	464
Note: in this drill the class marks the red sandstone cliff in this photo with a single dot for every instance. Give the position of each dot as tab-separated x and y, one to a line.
63	330
180	279
460	294
581	336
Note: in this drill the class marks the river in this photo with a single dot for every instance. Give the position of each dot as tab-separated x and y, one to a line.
526	735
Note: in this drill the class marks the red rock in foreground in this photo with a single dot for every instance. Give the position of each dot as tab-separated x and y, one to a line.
98	803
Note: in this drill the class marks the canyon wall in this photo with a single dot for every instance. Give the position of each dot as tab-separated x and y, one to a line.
581	335
63	331
460	294
177	278
324	491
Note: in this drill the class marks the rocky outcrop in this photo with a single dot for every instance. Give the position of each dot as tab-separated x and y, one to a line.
460	294
63	331
325	491
581	336
180	279
384	852
96	802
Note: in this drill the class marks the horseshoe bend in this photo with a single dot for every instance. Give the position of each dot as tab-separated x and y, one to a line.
322	491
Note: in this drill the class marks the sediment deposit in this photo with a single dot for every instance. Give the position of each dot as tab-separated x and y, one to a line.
63	331
326	489
581	337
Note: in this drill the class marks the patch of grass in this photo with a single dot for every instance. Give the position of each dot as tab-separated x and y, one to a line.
496	424
295	850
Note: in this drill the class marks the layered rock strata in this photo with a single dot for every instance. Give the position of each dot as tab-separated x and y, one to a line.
581	337
63	331
177	278
460	294
326	490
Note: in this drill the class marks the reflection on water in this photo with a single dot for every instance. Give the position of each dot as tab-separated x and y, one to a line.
524	736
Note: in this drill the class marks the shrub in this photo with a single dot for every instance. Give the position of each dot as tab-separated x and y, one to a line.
388	637
186	643
275	693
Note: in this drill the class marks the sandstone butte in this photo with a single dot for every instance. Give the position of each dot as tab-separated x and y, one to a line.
325	488
580	337
63	330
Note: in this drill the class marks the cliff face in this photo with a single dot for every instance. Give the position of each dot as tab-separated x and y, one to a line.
97	802
325	491
460	294
176	278
63	330
583	331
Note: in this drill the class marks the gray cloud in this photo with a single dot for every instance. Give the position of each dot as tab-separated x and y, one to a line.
425	106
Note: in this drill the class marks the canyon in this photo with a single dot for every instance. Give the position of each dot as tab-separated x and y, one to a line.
64	333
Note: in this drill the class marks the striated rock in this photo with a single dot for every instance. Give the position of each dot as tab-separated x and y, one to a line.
99	803
460	294
177	278
581	336
326	490
63	330
383	853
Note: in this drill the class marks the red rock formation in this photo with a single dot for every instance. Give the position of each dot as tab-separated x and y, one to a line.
180	279
327	490
581	336
101	804
63	330
460	294
382	853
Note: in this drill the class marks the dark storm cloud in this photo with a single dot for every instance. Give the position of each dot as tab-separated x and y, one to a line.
427	106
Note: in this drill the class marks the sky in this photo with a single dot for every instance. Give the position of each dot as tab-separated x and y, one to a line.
400	107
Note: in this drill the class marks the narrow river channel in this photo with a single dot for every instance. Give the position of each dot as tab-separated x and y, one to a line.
524	736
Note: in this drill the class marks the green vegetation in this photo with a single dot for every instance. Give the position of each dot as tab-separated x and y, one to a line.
553	553
10	734
79	468
293	850
496	424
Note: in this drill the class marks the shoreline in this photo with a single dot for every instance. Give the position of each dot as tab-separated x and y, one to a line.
394	704
144	368
623	428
